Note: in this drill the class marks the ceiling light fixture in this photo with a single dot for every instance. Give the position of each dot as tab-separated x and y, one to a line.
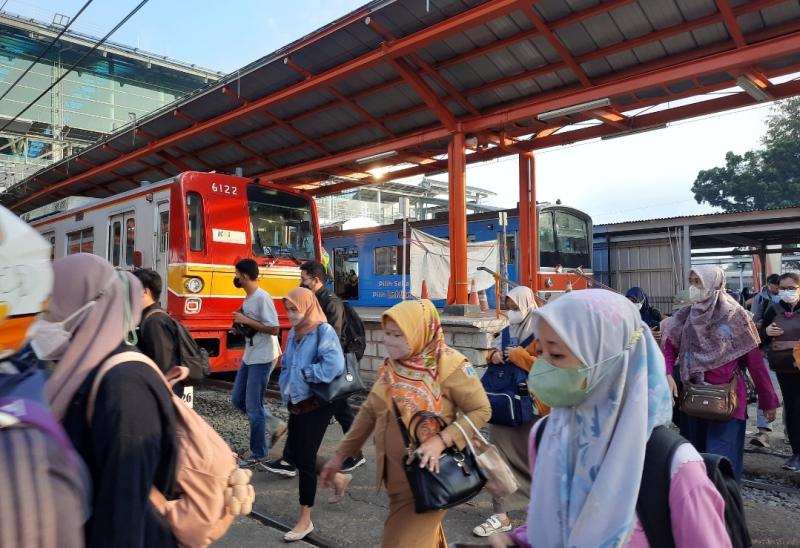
754	87
376	157
633	132
574	109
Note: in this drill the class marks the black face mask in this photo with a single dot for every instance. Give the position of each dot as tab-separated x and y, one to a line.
237	282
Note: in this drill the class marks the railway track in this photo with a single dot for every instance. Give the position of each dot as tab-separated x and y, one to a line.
771	486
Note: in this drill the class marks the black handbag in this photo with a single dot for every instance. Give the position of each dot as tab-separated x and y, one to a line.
345	385
459	478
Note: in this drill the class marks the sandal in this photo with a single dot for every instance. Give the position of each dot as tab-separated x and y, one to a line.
338	494
490	527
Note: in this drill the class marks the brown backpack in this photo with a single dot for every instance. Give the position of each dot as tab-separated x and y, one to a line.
211	488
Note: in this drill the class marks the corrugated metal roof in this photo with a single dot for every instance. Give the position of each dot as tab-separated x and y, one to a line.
490	66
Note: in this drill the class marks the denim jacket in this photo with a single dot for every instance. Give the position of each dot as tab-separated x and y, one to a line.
317	357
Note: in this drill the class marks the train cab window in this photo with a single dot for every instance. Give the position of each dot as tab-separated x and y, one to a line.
386	260
573	240
548	257
80	241
280	224
197	236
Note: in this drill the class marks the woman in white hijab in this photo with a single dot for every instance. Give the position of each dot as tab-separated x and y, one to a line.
602	373
514	346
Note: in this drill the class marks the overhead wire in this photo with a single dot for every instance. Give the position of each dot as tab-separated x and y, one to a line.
49	46
77	63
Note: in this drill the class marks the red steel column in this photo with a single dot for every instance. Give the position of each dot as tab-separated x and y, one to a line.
456	166
524	259
534	223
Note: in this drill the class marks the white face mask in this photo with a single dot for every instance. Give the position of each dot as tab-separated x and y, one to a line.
397	347
789	296
639	305
698	294
294	318
515	316
50	340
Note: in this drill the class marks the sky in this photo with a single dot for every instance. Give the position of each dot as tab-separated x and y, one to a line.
644	176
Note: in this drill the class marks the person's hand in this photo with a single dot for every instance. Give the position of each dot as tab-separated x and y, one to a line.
507	352
673	387
496	358
501	540
329	471
774	331
429	453
238	317
771	414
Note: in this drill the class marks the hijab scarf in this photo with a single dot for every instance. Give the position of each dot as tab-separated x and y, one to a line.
646	312
414	382
525	301
77	280
307	304
590	460
710	333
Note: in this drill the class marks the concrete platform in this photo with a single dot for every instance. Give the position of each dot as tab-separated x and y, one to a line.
249	533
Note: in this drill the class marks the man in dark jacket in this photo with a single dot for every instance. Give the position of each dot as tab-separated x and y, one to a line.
158	335
312	277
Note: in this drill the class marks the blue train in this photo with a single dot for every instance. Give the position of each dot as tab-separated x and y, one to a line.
367	263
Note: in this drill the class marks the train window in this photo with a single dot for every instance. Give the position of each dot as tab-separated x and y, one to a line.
163	231
197	236
80	241
130	240
51	238
511	249
547	239
345	272
573	240
280	224
386	260
115	242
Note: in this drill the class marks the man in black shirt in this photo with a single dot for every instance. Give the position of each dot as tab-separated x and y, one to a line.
158	335
312	277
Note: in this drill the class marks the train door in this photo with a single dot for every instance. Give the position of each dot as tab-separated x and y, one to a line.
121	239
345	272
162	247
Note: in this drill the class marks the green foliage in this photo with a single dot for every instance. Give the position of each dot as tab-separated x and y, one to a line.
759	179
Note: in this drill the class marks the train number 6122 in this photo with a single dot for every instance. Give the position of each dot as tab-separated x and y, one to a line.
225	189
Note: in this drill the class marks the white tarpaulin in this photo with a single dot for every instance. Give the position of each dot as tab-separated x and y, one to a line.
430	261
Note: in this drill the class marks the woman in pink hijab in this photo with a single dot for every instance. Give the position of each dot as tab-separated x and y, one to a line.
710	340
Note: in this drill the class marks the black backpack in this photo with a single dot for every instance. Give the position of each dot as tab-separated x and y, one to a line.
353	332
652	506
190	354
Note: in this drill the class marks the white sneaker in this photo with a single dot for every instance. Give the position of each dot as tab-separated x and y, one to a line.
490	527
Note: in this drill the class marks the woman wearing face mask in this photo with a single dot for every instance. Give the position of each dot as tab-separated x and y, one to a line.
313	354
782	335
710	340
650	315
420	374
602	373
515	346
129	444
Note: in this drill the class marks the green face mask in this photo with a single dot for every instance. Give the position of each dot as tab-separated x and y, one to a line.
556	386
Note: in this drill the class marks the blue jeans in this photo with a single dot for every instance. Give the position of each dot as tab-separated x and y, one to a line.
248	397
720	438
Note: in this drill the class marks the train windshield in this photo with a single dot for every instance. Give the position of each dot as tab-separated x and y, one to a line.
564	240
280	223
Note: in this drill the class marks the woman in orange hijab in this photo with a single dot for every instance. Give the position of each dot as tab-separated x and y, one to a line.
313	354
421	373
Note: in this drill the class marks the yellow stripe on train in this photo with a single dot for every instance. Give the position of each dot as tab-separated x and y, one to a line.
218	280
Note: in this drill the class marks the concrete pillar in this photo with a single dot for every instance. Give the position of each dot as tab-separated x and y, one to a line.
523	260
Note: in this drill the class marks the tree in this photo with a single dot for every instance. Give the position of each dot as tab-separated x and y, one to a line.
759	179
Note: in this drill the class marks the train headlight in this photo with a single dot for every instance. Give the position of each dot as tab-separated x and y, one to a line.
193	285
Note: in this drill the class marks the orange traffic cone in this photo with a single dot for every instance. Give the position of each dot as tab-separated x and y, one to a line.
473	294
483	300
423	293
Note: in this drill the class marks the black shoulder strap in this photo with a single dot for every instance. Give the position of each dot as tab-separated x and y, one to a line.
652	506
540	432
401	424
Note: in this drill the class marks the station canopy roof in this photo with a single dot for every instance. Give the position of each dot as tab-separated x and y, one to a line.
377	94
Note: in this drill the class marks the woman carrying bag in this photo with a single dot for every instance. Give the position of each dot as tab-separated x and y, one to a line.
313	355
421	374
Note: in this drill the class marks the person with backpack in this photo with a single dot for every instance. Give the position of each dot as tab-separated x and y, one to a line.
313	355
602	374
260	355
513	409
713	342
312	277
128	441
44	499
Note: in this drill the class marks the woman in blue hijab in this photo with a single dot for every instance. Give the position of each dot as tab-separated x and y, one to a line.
651	317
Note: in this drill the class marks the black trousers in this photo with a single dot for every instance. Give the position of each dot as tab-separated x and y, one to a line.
790	388
305	436
344	415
